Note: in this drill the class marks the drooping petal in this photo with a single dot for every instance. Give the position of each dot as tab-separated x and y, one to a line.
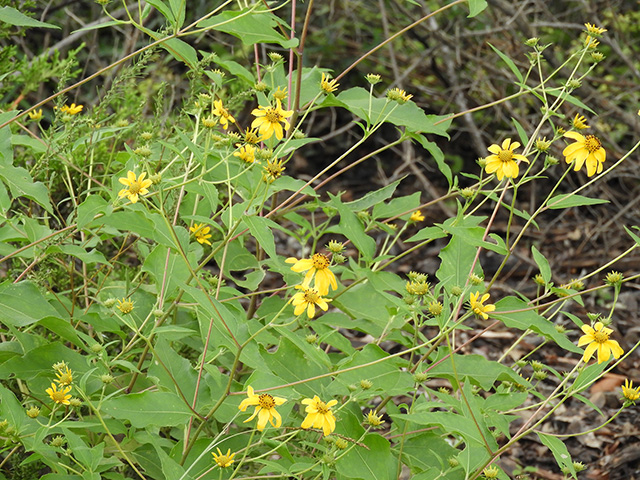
588	352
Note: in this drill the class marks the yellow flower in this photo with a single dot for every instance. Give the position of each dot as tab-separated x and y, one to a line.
247	153
65	377
327	85
630	393
593	30
272	170
317	265
35	115
223	460
590	42
125	306
319	414
597	338
374	420
585	150
398	95
223	113
280	93
478	307
503	161
579	122
135	187
251	136
265	408
491	472
201	233
268	120
72	109
307	299
59	396
416	216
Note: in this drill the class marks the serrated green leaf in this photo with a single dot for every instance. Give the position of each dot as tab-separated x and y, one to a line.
375	462
261	229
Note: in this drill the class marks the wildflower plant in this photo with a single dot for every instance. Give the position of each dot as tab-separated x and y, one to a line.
246	333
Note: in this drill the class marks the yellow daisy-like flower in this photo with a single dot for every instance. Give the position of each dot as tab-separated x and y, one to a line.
125	306
201	233
251	136
223	113
35	115
265	408
223	460
327	84
593	30
504	161
280	93
398	95
319	414
59	396
590	42
416	216
317	265
268	121
579	122
135	187
72	109
65	377
272	170
247	153
630	393
597	339
478	307
374	420
307	300
586	149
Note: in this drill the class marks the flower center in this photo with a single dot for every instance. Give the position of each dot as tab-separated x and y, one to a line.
58	396
321	407
505	156
320	261
272	115
601	337
311	296
135	188
65	379
266	401
592	143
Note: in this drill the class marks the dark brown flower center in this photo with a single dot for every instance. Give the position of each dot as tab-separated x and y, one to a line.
320	261
311	296
322	408
266	401
272	115
592	143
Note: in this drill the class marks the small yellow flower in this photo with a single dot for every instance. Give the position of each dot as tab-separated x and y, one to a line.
65	377
265	408
135	187
125	306
478	307
416	216
247	153
209	122
201	233
307	299
72	109
579	122
59	396
272	170
630	393
398	95
319	414
251	136
593	30
374	420
591	43
586	149
223	460
223	113
491	472
327	85
35	115
317	265
504	160
597	339
33	412
268	120
280	93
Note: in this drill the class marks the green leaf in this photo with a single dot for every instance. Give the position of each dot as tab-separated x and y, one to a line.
358	101
92	206
261	229
437	155
14	17
90	257
572	200
250	26
528	319
559	451
11	409
22	304
427	233
524	139
632	235
374	198
164	9
351	227
160	409
476	7
507	60
543	264
375	462
459	254
397	206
